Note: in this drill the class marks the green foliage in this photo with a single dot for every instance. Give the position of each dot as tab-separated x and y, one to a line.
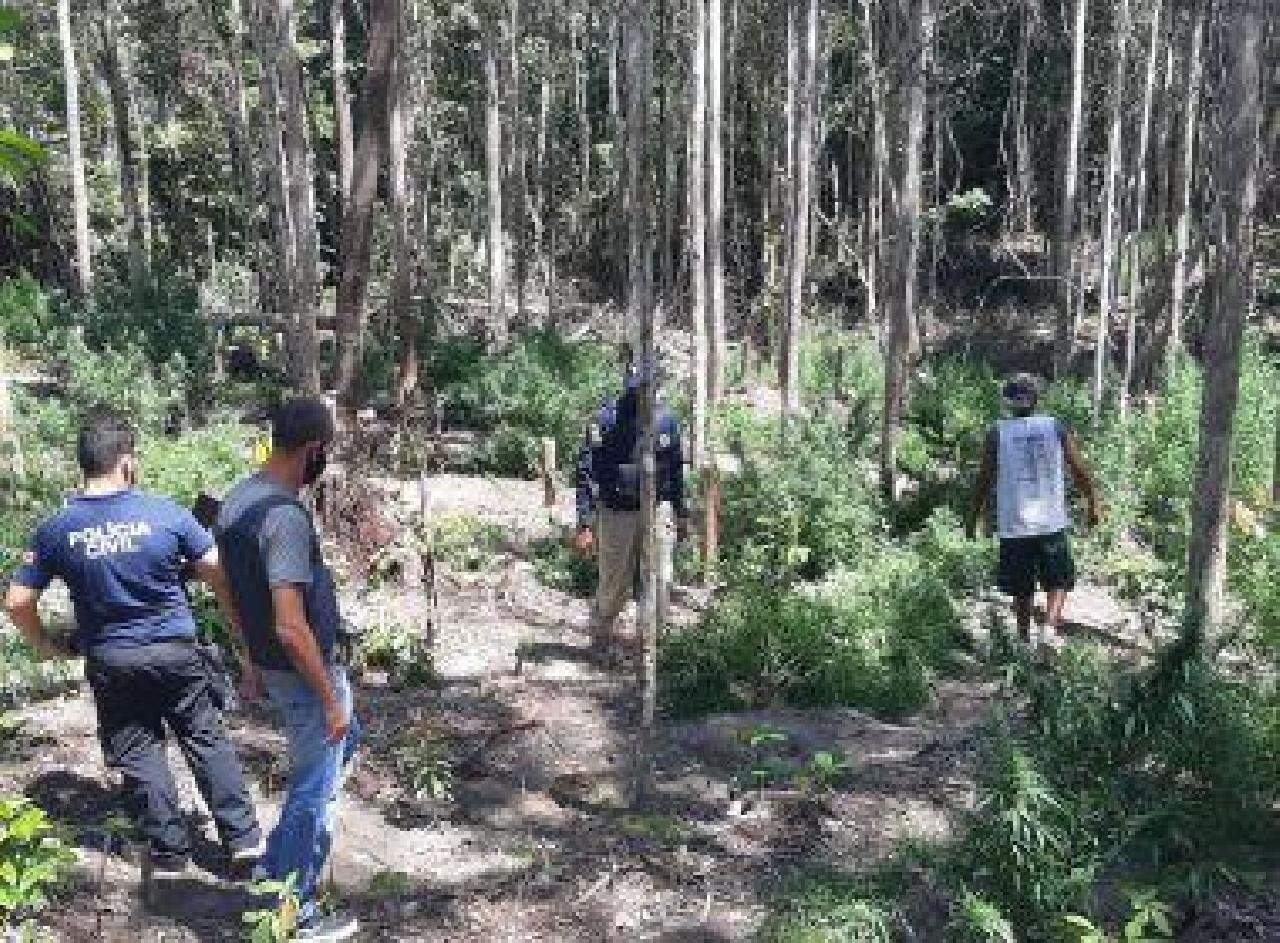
25	314
1150	921
834	910
559	566
425	769
975	920
209	459
399	650
543	387
33	858
24	677
465	542
279	922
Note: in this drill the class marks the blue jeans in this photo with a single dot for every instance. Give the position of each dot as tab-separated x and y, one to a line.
301	839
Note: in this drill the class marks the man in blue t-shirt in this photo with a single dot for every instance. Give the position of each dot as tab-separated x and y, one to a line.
122	554
286	596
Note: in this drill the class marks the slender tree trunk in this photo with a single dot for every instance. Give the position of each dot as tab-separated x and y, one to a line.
130	149
75	159
902	333
1021	204
357	229
1237	178
584	126
805	104
1110	221
697	208
1066	247
242	154
1184	176
1140	238
343	135
715	205
640	312
519	170
879	163
493	175
401	118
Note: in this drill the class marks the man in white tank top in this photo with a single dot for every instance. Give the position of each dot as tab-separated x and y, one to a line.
1025	459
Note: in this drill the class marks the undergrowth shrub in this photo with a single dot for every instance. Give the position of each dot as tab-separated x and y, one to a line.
33	859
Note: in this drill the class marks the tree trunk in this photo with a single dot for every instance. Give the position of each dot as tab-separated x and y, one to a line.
878	165
494	249
1184	176
242	155
584	127
343	135
1021	202
640	313
75	159
1066	248
357	230
715	206
519	176
902	331
1237	178
130	148
1107	288
1136	266
697	208
805	104
401	117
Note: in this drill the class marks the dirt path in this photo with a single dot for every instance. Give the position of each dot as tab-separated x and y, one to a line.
540	839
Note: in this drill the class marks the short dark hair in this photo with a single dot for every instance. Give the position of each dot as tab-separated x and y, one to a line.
300	421
106	436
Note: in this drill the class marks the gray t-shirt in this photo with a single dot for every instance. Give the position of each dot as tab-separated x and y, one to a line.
267	540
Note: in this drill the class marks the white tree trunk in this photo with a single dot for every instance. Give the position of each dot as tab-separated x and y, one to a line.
1066	246
1110	222
715	205
1236	171
493	176
697	206
1184	177
344	135
75	158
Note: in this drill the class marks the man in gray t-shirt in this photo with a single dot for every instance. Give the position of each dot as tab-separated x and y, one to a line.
285	596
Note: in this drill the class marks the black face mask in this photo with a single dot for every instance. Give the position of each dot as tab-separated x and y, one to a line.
315	466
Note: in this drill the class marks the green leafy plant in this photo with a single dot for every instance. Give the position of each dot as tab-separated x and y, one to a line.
1150	921
425	769
33	858
975	920
277	923
398	650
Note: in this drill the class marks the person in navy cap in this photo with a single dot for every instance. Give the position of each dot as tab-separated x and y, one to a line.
609	492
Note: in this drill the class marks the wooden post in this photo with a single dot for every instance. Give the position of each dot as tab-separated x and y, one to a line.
549	472
710	519
219	357
428	557
839	372
13	468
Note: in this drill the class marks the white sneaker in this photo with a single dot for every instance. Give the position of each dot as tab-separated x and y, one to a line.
330	929
244	857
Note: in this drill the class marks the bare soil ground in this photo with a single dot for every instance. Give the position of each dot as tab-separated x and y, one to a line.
543	837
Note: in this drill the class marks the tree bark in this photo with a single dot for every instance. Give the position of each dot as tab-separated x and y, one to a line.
357	230
344	137
879	163
1139	237
1066	248
130	148
902	330
639	52
697	233
401	118
242	154
519	172
1110	222
494	248
1184	176
715	205
1022	194
75	157
1237	177
804	102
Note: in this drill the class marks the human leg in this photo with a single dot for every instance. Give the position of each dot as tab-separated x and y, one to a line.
1015	576
131	731
301	840
617	547
198	727
1057	574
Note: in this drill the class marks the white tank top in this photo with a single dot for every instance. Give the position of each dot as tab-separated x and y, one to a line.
1030	486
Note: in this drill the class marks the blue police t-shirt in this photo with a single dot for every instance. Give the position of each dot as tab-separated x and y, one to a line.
121	556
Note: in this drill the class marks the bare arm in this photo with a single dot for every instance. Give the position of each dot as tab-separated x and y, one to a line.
1081	475
982	490
22	604
299	643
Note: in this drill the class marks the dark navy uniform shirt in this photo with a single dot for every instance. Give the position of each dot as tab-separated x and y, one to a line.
608	462
122	557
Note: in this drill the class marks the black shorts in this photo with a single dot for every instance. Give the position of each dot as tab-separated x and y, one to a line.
1028	562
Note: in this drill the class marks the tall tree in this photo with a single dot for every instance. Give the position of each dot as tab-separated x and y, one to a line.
903	338
1021	178
1184	176
1110	209
1236	173
131	147
1066	250
354	258
402	108
75	159
715	204
343	134
494	243
696	204
804	102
